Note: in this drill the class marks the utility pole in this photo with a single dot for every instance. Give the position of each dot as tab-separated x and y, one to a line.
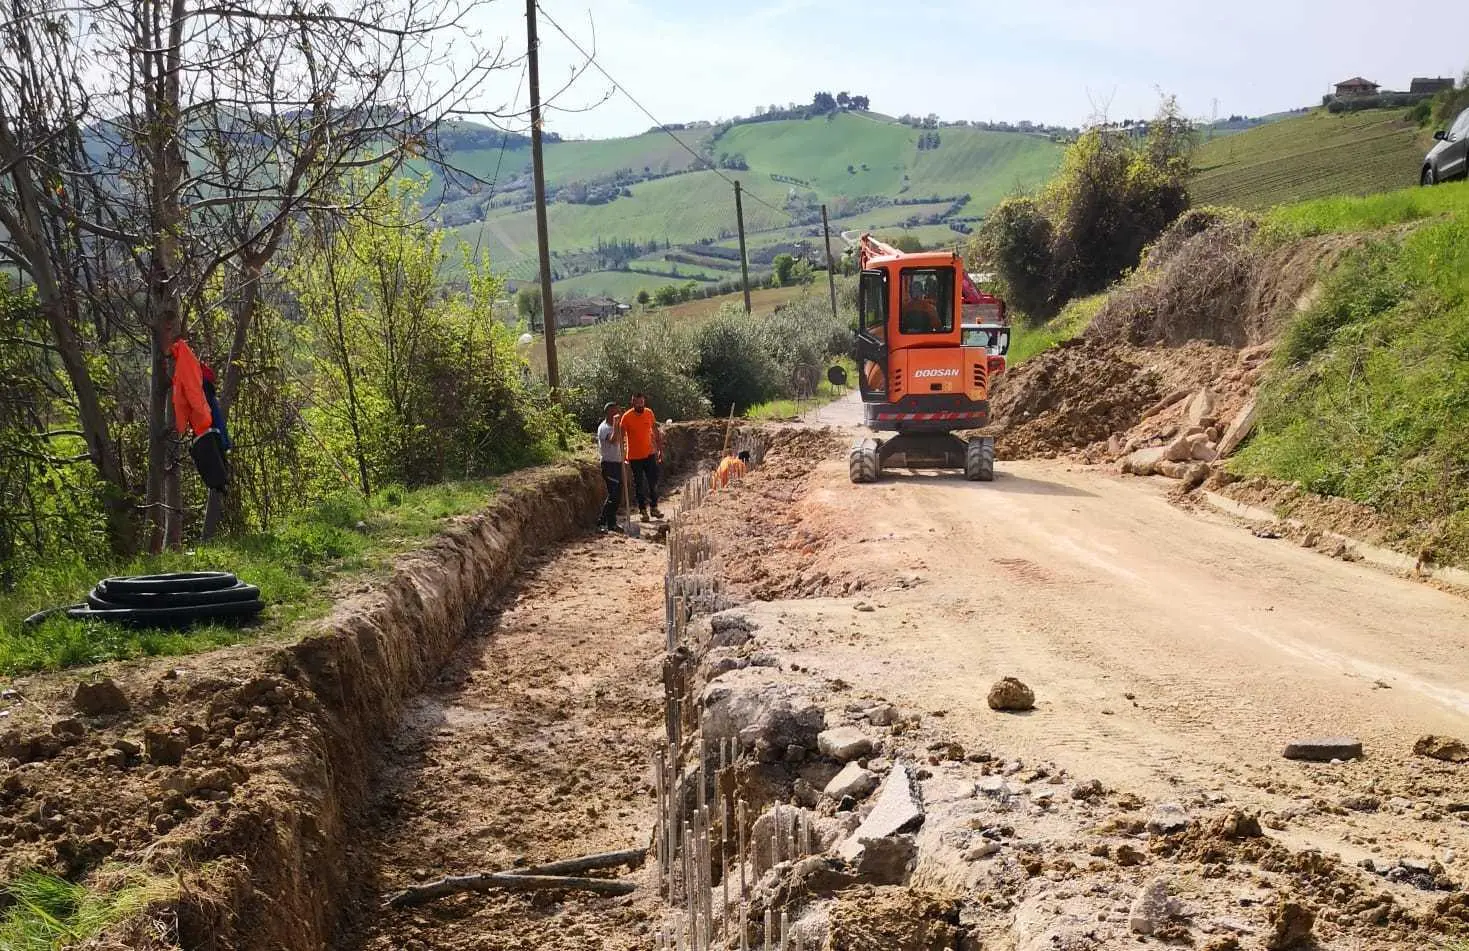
831	271
744	260
548	307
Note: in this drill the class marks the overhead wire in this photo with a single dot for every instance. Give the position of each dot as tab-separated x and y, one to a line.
703	160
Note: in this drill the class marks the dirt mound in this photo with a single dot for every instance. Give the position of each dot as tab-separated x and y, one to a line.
770	503
894	919
1070	397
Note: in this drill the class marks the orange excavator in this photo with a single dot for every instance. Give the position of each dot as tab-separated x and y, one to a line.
929	346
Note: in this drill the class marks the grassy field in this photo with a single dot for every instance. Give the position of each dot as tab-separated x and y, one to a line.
686	208
1310	156
1368	395
294	567
1026	342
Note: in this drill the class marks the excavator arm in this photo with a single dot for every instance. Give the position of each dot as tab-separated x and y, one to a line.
869	247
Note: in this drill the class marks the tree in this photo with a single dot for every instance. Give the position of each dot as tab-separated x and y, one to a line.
784	266
823	103
666	296
843	99
644	298
860	103
528	305
156	153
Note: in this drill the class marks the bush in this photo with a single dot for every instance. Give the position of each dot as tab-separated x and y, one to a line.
734	368
647	354
1114	195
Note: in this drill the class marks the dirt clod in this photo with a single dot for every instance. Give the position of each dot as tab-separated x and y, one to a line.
894	919
1290	926
101	698
1445	748
1011	694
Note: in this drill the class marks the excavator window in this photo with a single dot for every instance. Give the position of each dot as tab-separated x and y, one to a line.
874	302
927	296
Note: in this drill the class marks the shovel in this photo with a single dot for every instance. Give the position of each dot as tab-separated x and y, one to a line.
634	530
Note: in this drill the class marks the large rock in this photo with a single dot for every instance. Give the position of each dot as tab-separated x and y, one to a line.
767	718
1200	407
100	699
852	781
1239	429
1143	462
1179	450
899	808
844	744
1324	749
1010	694
887	861
730	629
1444	748
1167	818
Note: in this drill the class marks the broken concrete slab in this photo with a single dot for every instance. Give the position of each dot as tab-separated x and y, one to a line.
852	781
769	718
844	743
898	808
1324	749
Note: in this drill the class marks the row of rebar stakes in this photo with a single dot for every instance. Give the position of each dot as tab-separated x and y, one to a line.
687	844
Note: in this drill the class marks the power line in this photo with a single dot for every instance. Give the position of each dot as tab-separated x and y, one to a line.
661	127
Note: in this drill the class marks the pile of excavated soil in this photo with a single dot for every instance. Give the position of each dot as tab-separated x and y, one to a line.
771	539
1200	314
1070	397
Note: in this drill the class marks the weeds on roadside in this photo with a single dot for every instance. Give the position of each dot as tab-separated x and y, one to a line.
51	914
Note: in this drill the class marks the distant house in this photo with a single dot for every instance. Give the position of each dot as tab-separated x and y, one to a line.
1428	87
1356	86
583	312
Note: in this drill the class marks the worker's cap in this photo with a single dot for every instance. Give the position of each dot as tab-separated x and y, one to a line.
608	408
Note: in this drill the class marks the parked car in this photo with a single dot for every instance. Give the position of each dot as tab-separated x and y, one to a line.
1449	158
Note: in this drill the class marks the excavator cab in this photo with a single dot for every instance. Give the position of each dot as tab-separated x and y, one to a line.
924	374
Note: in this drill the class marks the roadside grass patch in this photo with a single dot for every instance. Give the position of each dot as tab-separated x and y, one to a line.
50	914
825	393
1075	317
1368	395
1342	214
294	566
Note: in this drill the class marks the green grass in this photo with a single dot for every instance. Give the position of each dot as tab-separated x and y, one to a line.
1368	397
686	208
50	914
825	393
1026	342
1338	215
294	568
1310	156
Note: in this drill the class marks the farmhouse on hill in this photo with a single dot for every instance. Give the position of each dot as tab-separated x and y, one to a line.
583	312
1356	86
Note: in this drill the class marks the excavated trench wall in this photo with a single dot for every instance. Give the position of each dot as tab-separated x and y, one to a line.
280	872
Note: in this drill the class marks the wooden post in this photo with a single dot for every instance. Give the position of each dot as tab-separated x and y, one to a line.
831	271
548	307
744	259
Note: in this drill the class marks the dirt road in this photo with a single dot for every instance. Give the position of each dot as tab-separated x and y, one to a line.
1174	654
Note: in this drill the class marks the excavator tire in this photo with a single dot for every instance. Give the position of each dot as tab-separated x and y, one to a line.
862	463
979	460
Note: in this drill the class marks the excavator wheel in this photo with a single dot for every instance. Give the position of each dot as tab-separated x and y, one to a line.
979	460
862	463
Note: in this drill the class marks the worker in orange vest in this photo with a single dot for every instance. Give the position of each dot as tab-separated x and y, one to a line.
730	467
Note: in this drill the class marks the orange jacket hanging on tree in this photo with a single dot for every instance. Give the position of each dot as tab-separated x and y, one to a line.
190	407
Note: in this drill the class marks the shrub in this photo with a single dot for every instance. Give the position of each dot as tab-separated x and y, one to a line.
1017	239
734	368
648	354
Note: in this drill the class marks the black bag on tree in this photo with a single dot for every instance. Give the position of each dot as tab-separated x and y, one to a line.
209	459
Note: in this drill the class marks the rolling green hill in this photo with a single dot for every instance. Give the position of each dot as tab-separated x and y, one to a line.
1310	156
648	189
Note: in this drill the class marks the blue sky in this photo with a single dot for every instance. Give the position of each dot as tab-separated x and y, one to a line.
1055	61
